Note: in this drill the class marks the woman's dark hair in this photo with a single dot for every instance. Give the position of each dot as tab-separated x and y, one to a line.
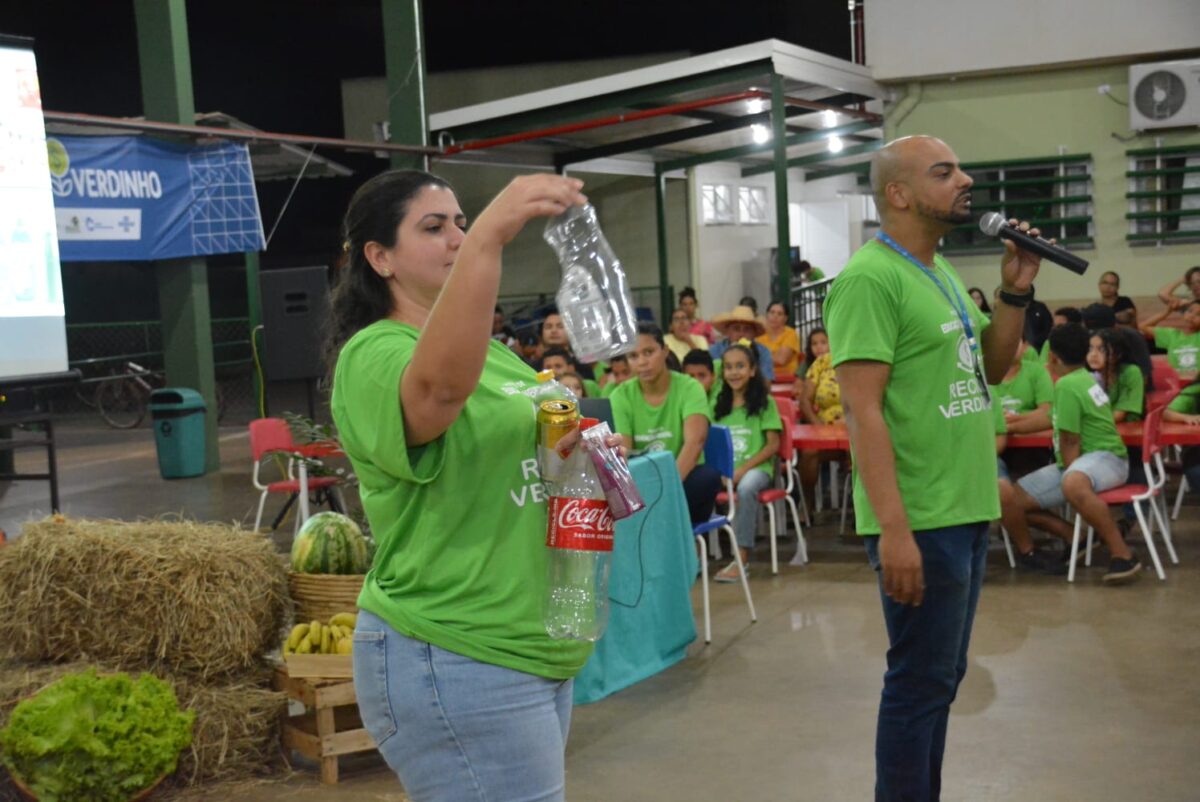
1116	354
750	301
648	329
673	363
984	307
360	295
779	304
756	388
1187	277
809	356
687	292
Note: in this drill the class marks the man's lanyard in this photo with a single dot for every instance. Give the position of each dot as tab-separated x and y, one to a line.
959	308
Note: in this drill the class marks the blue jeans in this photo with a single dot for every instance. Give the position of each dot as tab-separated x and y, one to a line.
745	521
455	729
926	659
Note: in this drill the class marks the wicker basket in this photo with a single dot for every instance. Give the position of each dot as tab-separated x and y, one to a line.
319	597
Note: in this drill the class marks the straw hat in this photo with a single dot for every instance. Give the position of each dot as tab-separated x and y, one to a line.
740	314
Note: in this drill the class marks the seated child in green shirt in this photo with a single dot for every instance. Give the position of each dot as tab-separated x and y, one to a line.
1090	458
746	407
1114	370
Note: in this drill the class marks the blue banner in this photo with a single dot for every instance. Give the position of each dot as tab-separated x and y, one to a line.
122	198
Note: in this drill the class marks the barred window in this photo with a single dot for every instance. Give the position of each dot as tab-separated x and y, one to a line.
716	204
1164	195
1053	193
752	205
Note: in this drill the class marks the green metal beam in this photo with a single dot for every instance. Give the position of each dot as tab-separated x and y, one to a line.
669	137
660	219
600	104
741	151
164	62
817	158
783	261
815	175
404	57
253	315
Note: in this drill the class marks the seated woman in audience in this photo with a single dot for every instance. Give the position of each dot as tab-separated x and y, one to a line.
1190	282
680	340
781	340
700	366
743	324
667	411
980	300
746	407
1110	295
1025	394
696	325
1183	344
821	403
1117	373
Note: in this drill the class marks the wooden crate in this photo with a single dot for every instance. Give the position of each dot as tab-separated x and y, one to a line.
330	725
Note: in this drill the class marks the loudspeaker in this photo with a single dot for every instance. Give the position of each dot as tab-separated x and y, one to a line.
295	305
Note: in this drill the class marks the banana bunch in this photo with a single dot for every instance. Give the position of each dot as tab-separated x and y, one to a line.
335	637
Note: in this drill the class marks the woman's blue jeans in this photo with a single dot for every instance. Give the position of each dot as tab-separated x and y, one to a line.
455	729
926	659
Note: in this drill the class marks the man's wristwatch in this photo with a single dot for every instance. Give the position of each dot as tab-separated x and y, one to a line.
1019	301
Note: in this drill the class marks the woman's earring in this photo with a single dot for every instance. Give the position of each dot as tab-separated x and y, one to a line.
387	274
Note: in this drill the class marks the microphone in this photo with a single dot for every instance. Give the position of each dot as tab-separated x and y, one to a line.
994	225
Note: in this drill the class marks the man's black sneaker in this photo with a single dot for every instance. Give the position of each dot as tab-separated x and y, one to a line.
1042	562
1122	571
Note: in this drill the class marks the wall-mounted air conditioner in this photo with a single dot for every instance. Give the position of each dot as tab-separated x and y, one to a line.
1164	95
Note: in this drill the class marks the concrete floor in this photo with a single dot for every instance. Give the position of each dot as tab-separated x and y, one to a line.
1073	692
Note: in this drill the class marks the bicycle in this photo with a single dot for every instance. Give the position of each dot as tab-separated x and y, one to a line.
122	399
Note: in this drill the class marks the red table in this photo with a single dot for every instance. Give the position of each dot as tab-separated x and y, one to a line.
1173	434
824	437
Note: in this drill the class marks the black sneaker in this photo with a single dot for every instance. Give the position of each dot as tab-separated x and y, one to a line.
1041	562
1121	571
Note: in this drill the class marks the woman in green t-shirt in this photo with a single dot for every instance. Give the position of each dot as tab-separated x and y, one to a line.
458	683
1108	359
1183	344
667	411
746	408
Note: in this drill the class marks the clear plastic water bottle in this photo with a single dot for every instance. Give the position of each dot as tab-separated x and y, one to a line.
579	539
593	298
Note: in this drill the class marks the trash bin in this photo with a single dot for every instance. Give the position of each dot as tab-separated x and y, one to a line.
178	415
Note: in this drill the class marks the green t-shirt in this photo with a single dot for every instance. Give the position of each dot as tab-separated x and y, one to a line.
1029	389
1183	349
749	433
1031	354
882	308
1188	400
999	424
460	522
658	428
608	389
1130	393
1081	406
591	388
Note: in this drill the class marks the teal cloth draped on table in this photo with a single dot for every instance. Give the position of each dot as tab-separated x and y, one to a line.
654	564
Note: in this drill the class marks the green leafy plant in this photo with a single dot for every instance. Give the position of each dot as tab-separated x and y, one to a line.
102	738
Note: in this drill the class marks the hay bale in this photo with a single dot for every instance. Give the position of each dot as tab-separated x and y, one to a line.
207	600
235	736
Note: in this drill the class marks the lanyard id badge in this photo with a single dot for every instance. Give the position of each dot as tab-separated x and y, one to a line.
960	309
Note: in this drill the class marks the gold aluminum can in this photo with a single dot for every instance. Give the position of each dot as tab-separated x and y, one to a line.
555	418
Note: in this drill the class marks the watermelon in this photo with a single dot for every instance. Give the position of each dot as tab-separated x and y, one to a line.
330	543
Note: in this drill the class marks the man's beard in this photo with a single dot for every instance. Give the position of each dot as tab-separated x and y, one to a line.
950	216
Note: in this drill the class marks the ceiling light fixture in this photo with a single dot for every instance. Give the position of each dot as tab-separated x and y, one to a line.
835	144
754	105
829	118
760	133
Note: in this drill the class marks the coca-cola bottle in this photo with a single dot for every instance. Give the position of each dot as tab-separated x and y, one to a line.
579	539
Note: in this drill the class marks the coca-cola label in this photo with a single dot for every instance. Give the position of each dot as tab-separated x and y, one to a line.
584	524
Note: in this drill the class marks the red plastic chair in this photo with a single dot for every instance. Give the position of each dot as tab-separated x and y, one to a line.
1156	475
272	436
1167	383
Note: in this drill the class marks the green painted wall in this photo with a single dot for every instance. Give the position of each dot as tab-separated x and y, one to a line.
1030	115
